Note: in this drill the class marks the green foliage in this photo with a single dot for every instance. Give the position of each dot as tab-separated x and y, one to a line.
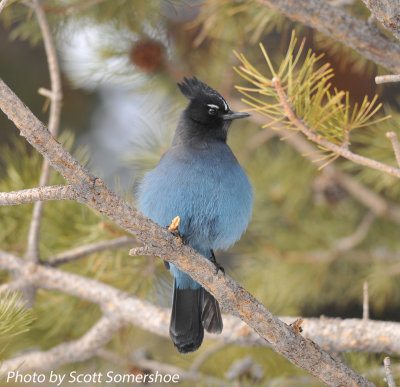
15	321
308	90
237	22
66	225
14	317
373	143
287	257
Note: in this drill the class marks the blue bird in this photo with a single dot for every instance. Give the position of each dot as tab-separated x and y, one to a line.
200	180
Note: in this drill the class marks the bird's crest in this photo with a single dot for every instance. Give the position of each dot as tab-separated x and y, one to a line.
193	88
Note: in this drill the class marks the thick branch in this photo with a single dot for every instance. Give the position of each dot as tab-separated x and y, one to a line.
387	12
315	137
233	298
330	333
69	352
342	27
31	195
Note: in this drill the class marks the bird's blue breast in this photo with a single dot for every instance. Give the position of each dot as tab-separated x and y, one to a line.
207	188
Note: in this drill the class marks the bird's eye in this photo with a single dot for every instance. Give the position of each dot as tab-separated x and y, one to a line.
212	109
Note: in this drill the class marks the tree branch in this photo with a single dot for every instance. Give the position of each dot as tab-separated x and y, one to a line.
3	3
78	350
387	12
54	69
315	137
31	195
84	251
332	334
389	373
376	203
140	361
365	315
233	298
392	136
349	242
32	252
342	27
387	78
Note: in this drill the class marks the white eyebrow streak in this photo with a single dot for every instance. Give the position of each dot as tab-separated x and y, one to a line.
225	104
210	105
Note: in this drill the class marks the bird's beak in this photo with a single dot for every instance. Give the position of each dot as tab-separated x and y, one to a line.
233	116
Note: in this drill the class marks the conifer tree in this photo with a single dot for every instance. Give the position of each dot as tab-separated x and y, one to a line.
321	149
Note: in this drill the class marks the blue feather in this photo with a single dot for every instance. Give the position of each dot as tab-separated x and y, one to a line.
207	188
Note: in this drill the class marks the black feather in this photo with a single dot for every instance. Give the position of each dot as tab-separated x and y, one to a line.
193	88
211	316
186	329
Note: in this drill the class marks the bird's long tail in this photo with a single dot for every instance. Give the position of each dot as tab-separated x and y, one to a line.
186	328
211	316
193	310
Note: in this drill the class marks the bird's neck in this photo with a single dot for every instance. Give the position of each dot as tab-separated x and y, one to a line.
194	133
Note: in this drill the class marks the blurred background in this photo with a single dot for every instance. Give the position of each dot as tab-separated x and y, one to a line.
120	63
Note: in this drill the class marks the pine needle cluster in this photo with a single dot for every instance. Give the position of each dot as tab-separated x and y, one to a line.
15	318
326	110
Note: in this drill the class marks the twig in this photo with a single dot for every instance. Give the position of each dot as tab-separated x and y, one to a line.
232	297
358	236
71	9
244	367
205	355
387	78
3	3
389	373
376	203
31	195
315	137
46	92
145	363
83	251
365	301
54	69
141	361
392	136
78	350
32	252
342	27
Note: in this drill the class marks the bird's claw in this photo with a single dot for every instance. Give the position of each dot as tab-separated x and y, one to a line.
217	267
176	233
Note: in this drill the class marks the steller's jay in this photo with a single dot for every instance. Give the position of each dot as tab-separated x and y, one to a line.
199	180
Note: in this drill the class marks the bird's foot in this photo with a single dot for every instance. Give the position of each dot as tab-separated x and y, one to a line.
217	266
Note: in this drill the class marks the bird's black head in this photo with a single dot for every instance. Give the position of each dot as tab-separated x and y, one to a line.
207	115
